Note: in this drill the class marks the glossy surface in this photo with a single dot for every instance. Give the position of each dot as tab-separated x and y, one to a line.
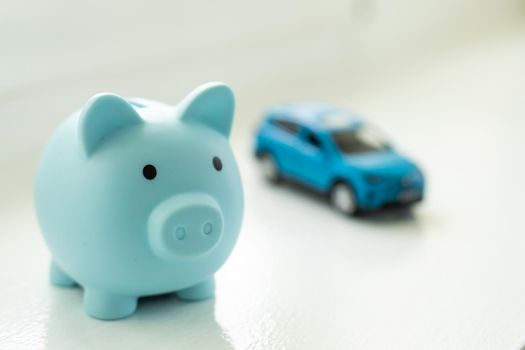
321	146
123	228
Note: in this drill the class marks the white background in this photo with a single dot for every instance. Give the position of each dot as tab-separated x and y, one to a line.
445	79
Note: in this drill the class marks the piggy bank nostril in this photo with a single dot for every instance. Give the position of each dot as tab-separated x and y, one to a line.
207	228
180	233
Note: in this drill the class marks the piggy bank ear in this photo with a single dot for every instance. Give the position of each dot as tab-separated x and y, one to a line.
102	116
211	105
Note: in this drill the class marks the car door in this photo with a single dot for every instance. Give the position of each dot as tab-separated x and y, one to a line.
284	140
311	160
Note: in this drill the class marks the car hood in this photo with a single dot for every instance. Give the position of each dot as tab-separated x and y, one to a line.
387	163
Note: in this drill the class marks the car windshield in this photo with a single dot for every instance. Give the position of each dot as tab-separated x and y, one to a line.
359	140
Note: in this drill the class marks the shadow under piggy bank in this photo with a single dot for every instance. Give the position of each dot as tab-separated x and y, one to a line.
160	322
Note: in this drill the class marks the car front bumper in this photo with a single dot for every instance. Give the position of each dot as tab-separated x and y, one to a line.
375	197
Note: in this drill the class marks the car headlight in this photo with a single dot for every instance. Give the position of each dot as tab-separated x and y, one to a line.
413	177
373	179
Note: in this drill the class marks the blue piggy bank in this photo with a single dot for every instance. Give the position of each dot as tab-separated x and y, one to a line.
137	198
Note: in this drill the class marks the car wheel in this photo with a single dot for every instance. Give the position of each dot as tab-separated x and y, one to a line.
269	168
343	198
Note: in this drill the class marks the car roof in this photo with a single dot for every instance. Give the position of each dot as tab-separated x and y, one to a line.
316	116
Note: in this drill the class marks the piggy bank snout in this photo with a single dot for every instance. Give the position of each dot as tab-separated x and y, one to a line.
185	226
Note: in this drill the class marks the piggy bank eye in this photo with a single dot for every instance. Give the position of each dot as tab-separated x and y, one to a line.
149	172
217	163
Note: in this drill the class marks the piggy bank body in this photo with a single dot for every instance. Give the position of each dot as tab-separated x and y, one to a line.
137	198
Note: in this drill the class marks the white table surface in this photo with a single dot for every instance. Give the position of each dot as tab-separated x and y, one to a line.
448	275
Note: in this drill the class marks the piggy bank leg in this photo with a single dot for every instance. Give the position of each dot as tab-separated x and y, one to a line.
59	277
203	290
108	306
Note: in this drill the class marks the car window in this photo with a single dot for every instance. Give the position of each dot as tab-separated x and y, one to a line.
312	139
361	140
288	126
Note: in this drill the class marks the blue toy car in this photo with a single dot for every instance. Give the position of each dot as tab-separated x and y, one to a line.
333	151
